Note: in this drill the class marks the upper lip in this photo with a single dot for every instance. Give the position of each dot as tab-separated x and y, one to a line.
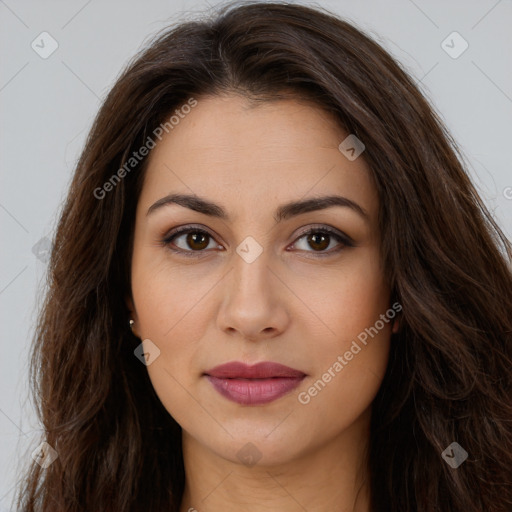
263	370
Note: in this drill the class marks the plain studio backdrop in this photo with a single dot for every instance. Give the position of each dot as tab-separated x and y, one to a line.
59	60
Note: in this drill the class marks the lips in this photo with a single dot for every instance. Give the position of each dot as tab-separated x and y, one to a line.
253	385
263	370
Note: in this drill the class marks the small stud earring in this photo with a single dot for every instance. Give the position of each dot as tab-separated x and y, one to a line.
131	324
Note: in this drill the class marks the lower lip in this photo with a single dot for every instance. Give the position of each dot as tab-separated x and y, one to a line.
254	391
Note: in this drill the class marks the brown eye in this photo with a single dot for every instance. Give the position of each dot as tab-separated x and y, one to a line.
188	240
318	240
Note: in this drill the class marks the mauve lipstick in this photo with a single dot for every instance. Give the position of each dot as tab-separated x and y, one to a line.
254	385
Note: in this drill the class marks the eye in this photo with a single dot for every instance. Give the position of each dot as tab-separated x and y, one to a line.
321	238
189	240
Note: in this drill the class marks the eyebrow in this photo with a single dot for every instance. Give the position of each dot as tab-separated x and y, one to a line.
284	212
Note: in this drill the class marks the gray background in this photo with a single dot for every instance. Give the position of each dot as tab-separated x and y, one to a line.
47	106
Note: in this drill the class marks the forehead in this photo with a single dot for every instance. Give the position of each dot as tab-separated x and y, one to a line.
227	148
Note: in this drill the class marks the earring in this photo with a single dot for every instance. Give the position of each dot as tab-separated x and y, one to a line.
131	323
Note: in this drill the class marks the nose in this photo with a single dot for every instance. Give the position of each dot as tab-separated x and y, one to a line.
254	305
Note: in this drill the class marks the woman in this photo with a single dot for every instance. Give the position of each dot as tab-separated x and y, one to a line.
273	287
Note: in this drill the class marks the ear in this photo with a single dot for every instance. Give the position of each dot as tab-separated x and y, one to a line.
396	325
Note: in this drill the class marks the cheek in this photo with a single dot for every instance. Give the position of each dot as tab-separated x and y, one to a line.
341	399
173	319
350	362
169	298
349	371
174	309
347	298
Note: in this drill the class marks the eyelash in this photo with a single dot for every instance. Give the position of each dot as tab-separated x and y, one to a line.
343	239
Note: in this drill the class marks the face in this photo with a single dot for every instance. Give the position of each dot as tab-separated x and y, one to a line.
250	281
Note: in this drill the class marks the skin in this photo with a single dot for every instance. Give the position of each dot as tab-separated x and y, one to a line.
290	305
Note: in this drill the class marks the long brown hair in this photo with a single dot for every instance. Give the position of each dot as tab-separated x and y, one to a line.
449	377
